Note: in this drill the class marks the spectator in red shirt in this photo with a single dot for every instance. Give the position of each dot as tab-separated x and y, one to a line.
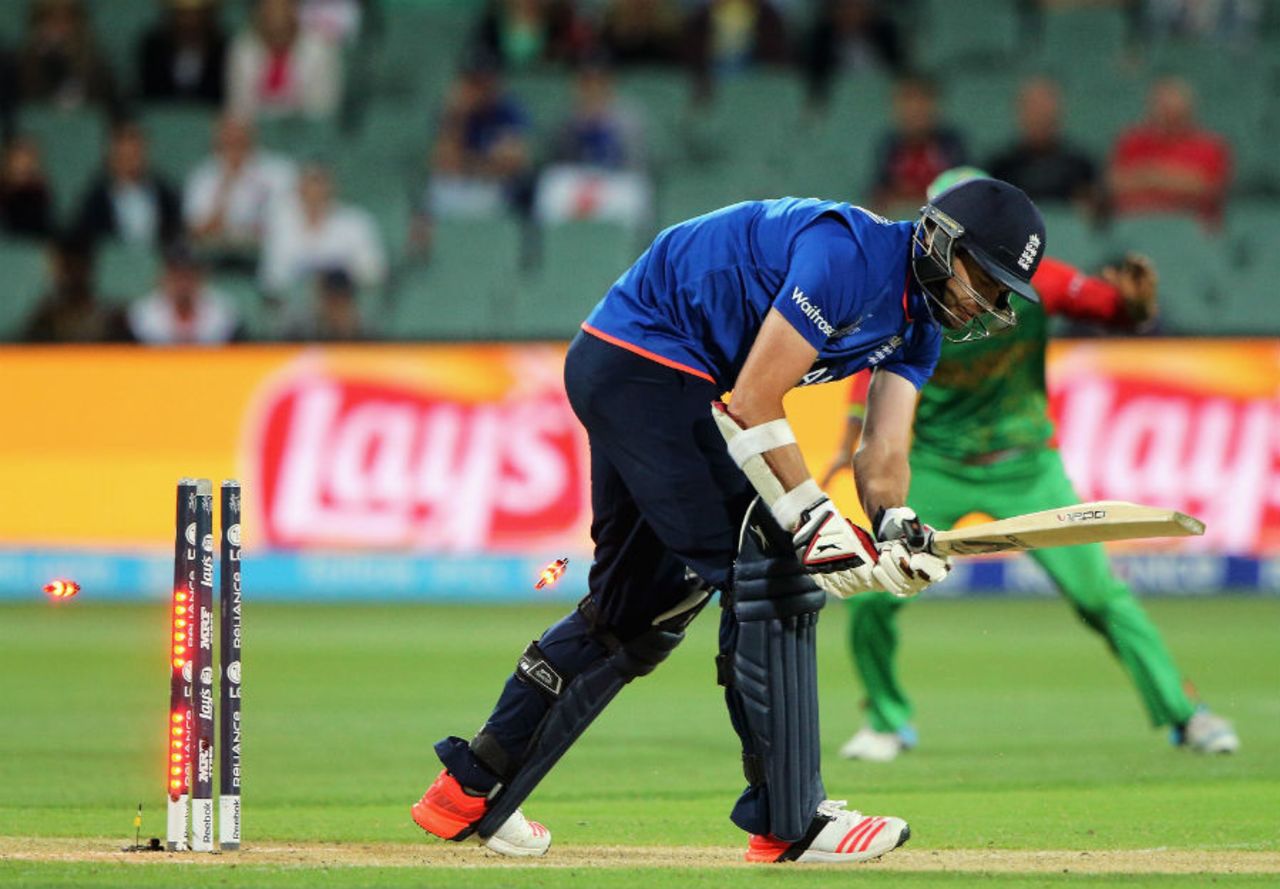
1167	163
916	151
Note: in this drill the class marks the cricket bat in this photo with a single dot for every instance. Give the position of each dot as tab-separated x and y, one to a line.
1094	522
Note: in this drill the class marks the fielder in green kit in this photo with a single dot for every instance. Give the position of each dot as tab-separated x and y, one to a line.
982	443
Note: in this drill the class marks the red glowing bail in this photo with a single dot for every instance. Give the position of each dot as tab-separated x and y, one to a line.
61	589
551	573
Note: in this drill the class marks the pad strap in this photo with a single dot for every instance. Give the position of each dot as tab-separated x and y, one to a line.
756	440
798	848
485	747
535	669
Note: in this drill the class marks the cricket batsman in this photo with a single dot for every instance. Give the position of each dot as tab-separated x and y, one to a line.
756	298
983	444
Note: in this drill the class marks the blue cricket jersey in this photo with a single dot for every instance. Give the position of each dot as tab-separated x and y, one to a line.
696	299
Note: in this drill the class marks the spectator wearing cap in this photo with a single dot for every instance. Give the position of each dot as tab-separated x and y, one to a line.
1042	162
183	309
183	56
481	161
915	151
70	311
1168	163
229	195
312	232
129	201
851	37
59	61
25	200
278	69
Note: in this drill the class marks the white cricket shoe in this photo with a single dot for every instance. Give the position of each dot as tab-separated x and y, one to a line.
847	837
873	746
520	838
1207	732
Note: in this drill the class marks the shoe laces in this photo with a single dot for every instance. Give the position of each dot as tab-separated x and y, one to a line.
834	808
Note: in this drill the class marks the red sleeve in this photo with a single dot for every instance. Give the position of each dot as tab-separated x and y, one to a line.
858	385
1065	290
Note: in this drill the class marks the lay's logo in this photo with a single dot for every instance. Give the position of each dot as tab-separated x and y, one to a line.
349	462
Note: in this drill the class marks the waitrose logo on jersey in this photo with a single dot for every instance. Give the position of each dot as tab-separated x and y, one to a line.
349	462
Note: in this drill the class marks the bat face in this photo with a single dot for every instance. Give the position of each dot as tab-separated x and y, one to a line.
1082	523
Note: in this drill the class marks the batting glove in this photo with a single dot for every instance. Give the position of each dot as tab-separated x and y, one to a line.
842	558
907	543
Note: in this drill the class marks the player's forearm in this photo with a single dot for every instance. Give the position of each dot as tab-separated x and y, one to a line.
788	465
883	477
786	462
778	359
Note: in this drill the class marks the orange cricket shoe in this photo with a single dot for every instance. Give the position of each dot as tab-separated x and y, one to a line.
446	811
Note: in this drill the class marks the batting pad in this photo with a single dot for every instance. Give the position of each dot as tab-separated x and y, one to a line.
774	672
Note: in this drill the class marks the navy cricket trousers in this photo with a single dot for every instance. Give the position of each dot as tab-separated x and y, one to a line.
664	494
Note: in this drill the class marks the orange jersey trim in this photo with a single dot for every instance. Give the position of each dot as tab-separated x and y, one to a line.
645	353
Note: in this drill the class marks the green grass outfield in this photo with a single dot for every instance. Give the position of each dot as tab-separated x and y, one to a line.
1032	740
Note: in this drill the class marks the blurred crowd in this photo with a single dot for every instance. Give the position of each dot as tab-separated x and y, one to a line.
281	220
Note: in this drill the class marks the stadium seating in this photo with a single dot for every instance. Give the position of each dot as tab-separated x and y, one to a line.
578	261
180	138
417	48
13	23
958	34
1072	239
465	289
662	97
984	104
119	26
730	130
547	98
758	136
23	263
1194	295
126	271
71	143
1071	34
683	194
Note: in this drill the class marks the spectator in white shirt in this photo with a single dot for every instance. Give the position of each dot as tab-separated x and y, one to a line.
230	194
279	69
312	233
183	309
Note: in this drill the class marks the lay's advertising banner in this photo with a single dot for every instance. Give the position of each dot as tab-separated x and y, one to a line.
458	472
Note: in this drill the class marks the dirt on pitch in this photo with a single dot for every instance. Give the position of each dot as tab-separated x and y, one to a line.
326	855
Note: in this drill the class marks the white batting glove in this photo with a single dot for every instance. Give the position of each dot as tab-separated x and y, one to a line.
906	544
842	558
